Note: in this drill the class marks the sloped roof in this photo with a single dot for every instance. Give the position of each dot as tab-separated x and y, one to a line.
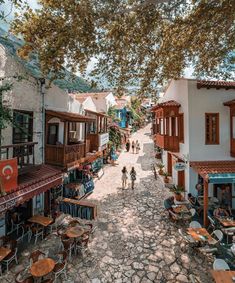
97	95
215	84
169	103
213	167
68	116
229	103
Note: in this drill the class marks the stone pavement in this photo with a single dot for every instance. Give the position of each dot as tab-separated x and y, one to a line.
134	240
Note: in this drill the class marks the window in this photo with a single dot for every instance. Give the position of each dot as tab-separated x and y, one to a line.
181	127
212	128
23	127
53	130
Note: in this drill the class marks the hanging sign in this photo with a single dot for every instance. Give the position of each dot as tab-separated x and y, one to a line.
179	166
8	175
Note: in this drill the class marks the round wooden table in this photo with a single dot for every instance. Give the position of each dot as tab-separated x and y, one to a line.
42	267
74	232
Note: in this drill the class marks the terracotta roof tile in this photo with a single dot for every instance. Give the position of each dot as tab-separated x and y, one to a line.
169	103
230	103
213	167
216	84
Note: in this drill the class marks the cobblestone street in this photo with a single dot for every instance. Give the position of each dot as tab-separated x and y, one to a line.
134	240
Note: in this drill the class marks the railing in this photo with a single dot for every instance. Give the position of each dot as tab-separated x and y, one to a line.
24	152
166	142
63	155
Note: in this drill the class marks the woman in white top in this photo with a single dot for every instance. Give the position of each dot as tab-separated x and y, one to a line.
124	177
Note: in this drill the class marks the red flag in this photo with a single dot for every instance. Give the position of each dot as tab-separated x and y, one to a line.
8	175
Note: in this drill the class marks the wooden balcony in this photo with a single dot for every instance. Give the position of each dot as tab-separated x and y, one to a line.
24	152
165	142
65	155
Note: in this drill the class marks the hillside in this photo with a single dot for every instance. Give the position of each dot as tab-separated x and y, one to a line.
69	81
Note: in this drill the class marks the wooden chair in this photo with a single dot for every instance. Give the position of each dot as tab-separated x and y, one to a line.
61	265
10	258
37	232
68	245
35	256
23	276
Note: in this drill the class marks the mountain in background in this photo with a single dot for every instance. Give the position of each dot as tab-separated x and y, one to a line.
69	82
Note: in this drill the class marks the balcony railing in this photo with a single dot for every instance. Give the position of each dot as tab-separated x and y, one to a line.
64	155
166	142
24	152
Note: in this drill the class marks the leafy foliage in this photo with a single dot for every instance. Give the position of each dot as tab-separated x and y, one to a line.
5	113
147	41
65	80
115	136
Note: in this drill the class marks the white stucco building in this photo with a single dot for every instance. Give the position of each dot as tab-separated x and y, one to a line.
102	100
194	124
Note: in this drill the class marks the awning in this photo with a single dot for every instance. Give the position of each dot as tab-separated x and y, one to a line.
221	178
69	116
32	184
216	172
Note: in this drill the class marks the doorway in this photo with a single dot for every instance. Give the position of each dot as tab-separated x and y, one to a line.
169	164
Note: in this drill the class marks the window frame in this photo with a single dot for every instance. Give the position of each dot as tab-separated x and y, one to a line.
48	132
29	129
181	127
217	141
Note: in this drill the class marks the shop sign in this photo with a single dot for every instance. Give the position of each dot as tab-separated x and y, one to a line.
103	139
179	166
8	175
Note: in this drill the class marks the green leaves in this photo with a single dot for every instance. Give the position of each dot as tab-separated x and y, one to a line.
135	42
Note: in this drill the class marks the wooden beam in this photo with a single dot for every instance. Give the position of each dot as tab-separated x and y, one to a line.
205	196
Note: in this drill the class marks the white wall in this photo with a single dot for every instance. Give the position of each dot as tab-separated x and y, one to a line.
203	101
89	104
25	95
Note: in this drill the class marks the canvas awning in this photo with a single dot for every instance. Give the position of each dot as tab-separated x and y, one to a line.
30	185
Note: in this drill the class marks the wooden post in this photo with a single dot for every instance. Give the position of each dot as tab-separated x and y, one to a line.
205	196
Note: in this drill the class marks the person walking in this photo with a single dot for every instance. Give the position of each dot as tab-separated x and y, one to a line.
124	177
137	146
133	177
133	146
113	155
128	144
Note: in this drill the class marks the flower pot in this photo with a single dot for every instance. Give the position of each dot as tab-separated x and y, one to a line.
158	155
178	197
161	172
166	180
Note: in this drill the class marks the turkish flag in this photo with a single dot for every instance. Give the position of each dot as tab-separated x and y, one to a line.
8	175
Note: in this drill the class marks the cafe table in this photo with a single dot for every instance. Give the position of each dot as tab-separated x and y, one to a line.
42	267
74	232
4	252
181	209
227	222
199	234
223	276
42	220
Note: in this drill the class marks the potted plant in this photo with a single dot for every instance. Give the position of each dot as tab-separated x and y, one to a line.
166	175
158	154
160	166
177	190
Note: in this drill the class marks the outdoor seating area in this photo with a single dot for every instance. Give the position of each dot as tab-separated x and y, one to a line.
216	240
45	245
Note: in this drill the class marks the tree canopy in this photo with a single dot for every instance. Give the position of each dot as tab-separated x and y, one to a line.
144	42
